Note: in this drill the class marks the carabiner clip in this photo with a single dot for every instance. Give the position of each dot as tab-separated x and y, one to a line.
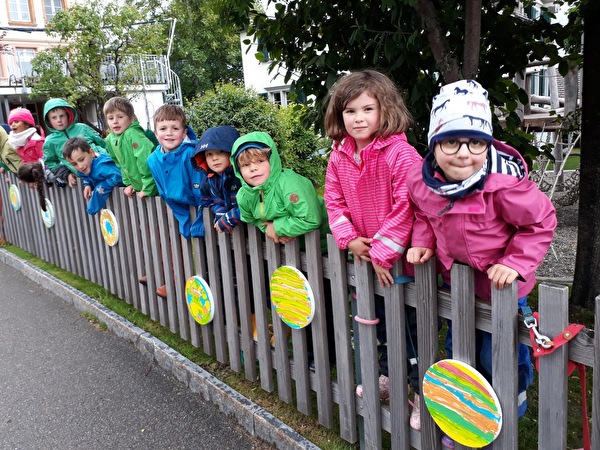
531	323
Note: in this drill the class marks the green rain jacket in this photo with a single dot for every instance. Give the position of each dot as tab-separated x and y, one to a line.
130	151
55	140
287	199
9	158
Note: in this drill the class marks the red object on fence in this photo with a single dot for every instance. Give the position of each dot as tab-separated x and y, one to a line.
559	340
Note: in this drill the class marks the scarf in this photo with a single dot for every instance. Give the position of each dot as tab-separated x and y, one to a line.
17	140
496	162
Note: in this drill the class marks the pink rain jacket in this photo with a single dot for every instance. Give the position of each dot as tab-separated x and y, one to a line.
370	199
510	222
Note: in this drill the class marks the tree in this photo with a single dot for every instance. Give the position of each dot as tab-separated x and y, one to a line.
319	40
301	149
206	50
103	42
586	285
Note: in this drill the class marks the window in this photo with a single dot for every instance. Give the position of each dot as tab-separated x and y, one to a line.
24	57
20	11
51	7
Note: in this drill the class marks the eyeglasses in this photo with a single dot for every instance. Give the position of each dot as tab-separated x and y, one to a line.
452	146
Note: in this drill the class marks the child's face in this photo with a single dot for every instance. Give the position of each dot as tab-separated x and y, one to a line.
361	119
170	134
256	171
462	164
217	160
16	126
118	121
58	119
82	160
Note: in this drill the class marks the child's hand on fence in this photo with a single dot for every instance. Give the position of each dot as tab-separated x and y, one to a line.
141	194
418	255
502	276
87	193
360	247
72	180
129	191
272	234
384	276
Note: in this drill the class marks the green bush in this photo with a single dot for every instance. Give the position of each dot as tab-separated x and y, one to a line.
301	148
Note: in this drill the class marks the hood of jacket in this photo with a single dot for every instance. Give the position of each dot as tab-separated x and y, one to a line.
264	140
59	103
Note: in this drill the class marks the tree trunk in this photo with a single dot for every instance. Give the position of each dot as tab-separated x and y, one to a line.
472	38
445	59
587	265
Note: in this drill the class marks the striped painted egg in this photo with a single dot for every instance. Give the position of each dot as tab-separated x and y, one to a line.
462	403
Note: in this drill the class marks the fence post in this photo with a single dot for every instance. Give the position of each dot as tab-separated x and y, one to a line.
504	363
397	361
553	371
370	405
427	311
343	346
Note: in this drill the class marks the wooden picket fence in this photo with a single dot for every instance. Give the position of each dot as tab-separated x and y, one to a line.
237	268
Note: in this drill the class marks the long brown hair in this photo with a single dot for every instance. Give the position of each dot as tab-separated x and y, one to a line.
394	115
34	173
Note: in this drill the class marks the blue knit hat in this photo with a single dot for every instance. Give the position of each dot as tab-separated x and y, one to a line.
217	138
461	109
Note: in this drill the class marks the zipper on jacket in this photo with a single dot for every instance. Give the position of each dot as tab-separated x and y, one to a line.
261	204
447	208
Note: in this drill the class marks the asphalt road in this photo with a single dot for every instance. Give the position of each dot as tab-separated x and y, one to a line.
66	384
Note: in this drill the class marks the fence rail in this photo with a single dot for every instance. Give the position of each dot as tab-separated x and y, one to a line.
237	268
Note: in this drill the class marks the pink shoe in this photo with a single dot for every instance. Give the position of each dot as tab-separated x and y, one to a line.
415	415
384	388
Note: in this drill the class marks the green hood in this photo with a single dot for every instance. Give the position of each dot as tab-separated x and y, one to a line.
264	140
59	103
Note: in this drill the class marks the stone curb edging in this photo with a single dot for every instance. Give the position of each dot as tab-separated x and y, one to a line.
248	414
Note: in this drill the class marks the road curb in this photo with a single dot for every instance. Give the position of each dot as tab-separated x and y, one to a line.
248	414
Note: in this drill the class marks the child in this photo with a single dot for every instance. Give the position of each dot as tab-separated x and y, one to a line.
60	119
9	158
365	191
129	147
220	187
99	173
178	182
283	204
280	202
475	204
24	136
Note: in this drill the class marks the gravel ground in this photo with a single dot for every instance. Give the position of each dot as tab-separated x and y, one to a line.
560	259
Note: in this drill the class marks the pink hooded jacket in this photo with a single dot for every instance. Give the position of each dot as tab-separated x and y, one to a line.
510	222
370	199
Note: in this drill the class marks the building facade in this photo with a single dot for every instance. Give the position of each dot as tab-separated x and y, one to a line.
22	36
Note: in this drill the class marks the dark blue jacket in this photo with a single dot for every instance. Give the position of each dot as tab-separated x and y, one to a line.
219	194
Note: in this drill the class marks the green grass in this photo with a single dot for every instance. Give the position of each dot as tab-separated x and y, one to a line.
308	426
571	164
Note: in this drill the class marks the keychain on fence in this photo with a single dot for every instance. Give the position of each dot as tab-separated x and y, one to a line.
543	345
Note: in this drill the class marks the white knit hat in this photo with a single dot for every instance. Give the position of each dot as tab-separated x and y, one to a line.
461	109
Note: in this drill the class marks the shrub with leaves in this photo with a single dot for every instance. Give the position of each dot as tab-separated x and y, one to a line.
301	148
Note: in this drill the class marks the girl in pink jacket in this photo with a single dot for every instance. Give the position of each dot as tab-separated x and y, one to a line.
474	204
25	137
365	189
